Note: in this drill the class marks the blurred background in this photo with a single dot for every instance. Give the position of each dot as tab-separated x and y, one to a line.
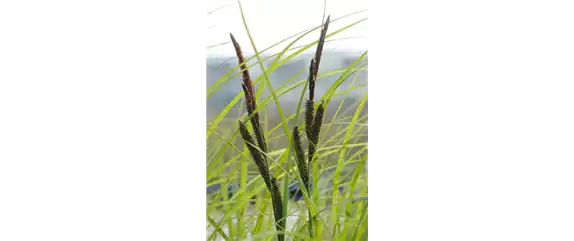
272	21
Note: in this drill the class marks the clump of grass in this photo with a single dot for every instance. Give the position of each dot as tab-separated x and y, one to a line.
338	149
258	150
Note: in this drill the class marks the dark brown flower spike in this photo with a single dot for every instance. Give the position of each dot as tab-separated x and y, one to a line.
277	209
249	91
313	120
312	79
300	157
320	45
315	130
258	150
309	116
258	157
247	84
312	125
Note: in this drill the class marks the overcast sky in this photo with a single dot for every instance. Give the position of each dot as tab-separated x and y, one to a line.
270	21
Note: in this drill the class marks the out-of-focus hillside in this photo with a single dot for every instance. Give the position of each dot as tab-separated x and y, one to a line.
218	67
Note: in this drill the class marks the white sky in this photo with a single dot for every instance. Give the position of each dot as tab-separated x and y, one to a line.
270	21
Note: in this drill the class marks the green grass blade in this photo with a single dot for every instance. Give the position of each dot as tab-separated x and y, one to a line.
342	157
217	228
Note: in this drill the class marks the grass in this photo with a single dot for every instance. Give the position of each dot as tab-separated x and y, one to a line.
320	144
